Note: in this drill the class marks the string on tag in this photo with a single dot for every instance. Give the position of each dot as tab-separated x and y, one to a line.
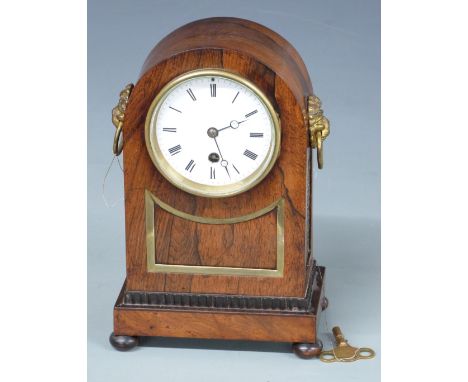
328	332
105	180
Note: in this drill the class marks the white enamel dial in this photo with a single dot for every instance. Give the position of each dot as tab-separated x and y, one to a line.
212	133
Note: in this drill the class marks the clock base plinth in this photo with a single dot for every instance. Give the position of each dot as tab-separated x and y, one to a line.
228	317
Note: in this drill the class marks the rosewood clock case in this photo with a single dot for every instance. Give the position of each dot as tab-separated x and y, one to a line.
238	267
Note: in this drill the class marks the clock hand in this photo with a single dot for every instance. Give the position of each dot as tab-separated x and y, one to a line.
224	163
233	125
213	133
219	150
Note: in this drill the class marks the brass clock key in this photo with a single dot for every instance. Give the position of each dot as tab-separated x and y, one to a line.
343	352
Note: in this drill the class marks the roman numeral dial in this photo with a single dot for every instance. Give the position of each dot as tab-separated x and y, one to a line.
212	132
250	154
190	166
251	113
192	96
256	135
175	150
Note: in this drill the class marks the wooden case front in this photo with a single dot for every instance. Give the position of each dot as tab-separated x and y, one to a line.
270	62
243	245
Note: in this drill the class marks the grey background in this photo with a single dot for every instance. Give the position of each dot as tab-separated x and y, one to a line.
340	44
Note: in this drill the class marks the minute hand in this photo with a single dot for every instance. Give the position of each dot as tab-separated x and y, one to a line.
224	162
233	125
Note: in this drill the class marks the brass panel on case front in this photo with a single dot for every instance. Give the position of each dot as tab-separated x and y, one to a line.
154	266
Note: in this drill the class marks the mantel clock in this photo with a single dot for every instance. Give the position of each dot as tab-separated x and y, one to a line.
217	136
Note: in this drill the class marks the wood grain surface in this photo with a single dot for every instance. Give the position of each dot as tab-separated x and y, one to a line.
226	245
248	37
232	326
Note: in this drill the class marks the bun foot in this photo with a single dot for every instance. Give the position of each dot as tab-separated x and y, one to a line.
123	343
307	351
324	304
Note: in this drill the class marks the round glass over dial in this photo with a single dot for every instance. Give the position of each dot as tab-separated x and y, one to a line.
212	133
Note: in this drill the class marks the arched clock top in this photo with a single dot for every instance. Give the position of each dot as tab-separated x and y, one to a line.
245	36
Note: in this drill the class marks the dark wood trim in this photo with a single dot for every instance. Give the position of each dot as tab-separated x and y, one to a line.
163	300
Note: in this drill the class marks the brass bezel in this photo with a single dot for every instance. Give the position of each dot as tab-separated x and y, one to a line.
188	185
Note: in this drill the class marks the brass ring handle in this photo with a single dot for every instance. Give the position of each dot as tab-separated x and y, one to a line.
319	150
319	127
118	116
118	142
